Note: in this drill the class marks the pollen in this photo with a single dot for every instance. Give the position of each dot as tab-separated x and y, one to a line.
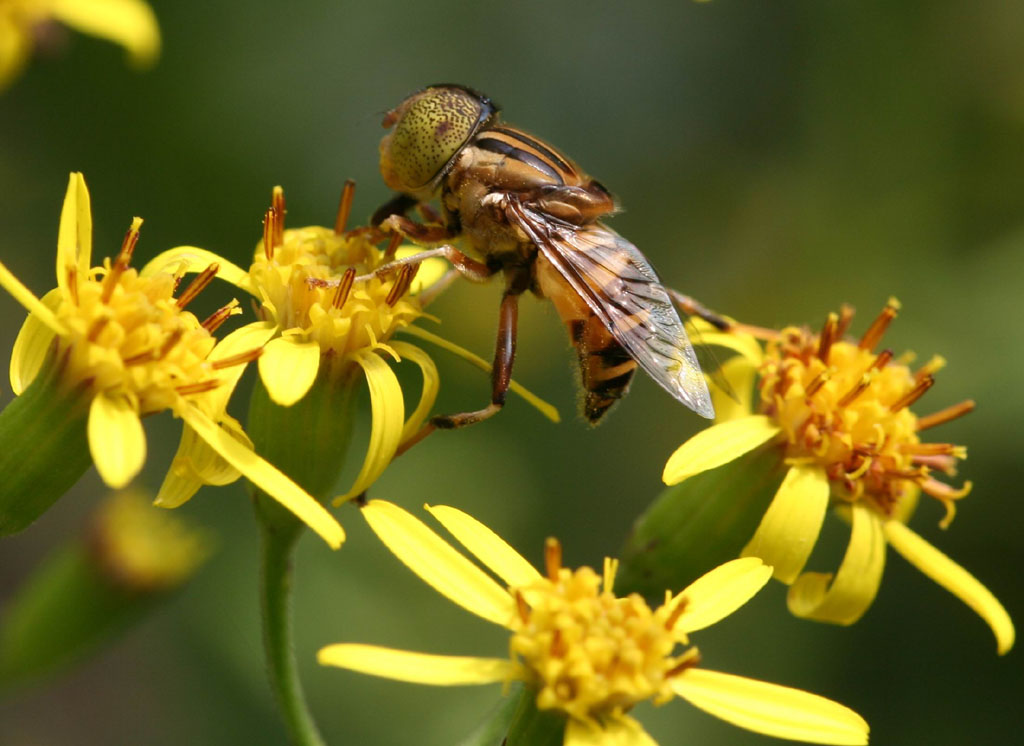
129	335
307	280
848	408
593	655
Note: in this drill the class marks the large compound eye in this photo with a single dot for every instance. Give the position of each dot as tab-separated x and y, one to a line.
430	128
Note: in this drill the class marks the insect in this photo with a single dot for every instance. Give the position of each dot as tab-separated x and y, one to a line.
530	213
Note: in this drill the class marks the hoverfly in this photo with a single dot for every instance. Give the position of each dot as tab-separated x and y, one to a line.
532	214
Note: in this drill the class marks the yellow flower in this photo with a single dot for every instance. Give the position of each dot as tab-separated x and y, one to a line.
585	652
127	344
130	23
326	313
840	416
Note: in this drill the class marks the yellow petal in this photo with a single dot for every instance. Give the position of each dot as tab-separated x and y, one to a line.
428	394
430	271
243	339
437	564
196	464
740	375
717	445
417	668
265	476
855	585
718	593
116	439
388	408
15	45
744	344
288	368
191	259
27	298
539	404
32	346
954	579
130	23
74	236
790	527
620	731
486	546
771	709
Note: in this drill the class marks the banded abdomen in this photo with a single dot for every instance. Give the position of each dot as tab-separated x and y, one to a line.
606	369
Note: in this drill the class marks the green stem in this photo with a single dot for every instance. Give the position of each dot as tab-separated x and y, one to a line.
307	441
275	599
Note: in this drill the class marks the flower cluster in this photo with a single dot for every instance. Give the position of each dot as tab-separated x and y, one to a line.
839	415
586	653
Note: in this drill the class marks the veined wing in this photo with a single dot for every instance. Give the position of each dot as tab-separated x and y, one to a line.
621	287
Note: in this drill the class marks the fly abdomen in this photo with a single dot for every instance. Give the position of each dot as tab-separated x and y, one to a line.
606	369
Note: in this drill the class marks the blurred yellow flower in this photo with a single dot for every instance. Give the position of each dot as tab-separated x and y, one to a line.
585	652
840	415
326	312
131	349
130	23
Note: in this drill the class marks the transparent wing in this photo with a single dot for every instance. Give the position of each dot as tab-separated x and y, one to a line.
622	288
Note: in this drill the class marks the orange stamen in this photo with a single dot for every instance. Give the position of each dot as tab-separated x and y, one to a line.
883	359
690	659
403	282
676	613
819	380
169	343
121	261
72	275
877	329
913	395
846	312
240	359
213	322
856	391
199	387
344	206
828	336
522	608
198	284
552	558
97	326
269	219
945	415
393	243
344	287
277	200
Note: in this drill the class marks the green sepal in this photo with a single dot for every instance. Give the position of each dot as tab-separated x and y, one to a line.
66	609
516	721
308	440
698	524
495	725
44	448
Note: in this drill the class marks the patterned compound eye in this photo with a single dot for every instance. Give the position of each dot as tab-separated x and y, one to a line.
430	128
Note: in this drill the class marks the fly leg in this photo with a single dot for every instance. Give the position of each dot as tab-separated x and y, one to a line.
501	369
693	307
465	265
504	356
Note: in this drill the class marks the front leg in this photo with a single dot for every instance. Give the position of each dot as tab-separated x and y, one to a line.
418	232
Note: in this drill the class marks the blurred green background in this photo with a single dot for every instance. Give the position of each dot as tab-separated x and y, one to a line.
774	159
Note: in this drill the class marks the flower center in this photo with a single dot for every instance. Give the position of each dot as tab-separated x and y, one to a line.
130	335
306	278
842	405
593	654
